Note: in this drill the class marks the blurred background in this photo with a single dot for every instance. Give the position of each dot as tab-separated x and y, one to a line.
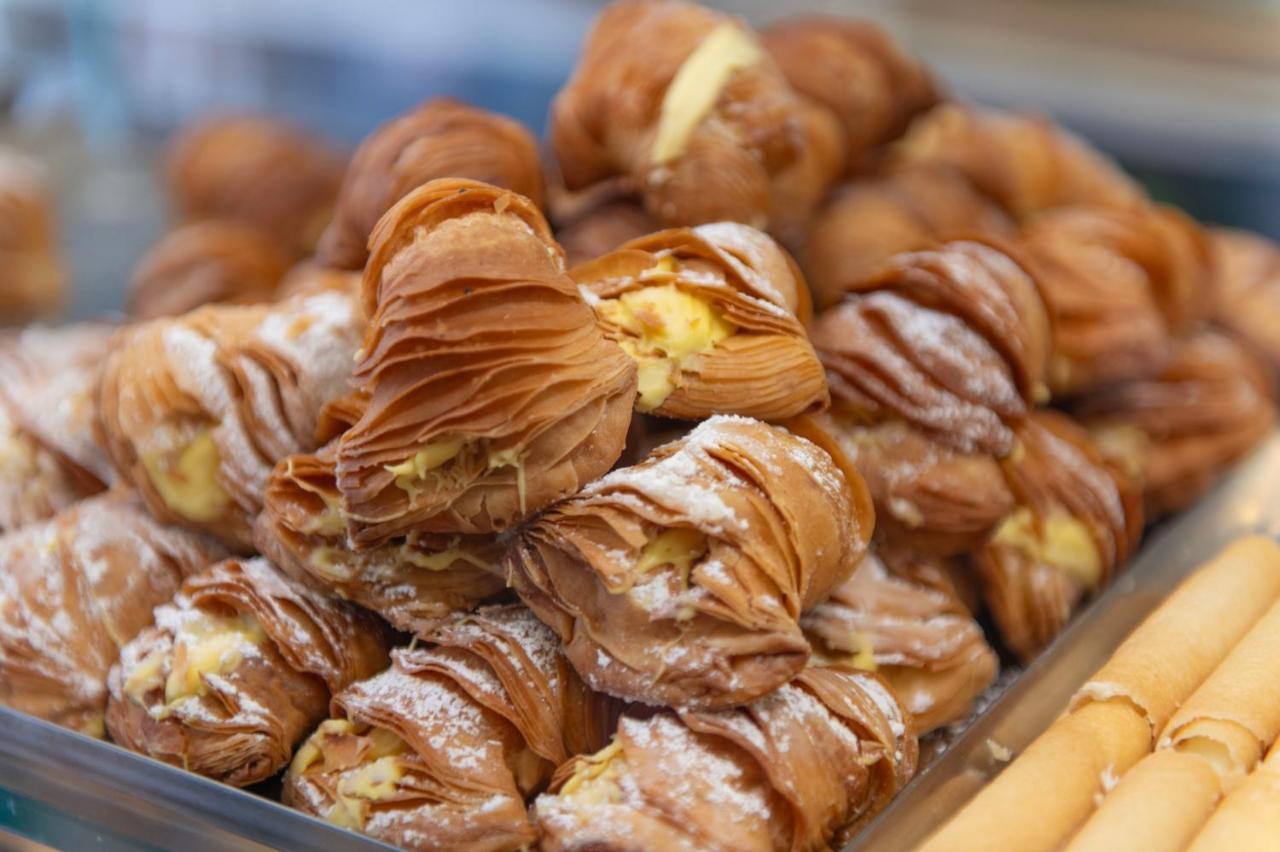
1186	94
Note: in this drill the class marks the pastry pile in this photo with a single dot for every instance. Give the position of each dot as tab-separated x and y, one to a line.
645	498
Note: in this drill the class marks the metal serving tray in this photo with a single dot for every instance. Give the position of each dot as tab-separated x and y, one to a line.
69	791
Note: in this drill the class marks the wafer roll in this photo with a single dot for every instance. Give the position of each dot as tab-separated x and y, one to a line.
1248	820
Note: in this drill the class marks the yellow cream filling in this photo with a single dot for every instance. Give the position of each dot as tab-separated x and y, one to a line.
205	645
425	465
442	560
1125	445
595	779
666	326
678	547
1063	543
696	87
189	485
863	655
374	780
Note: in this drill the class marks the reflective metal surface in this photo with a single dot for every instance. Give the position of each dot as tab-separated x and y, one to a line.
1247	502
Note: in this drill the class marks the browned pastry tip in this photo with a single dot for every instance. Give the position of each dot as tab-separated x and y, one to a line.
900	616
413	583
1025	162
238	667
1177	432
713	317
681	580
1077	521
205	262
1248	289
256	169
73	591
865	223
441	750
197	409
484	389
439	138
855	70
50	455
708	130
32	278
791	771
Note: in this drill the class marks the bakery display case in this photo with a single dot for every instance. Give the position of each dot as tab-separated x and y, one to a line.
760	437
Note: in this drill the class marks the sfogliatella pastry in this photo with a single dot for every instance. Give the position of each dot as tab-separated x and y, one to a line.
50	456
602	228
792	770
441	750
258	170
484	389
1025	162
237	669
930	360
685	103
1076	521
899	616
206	262
439	138
412	582
1248	290
1177	431
1121	283
197	409
855	70
32	279
73	591
865	223
713	318
681	580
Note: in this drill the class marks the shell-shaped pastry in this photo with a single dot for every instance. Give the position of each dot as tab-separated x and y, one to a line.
681	580
713	318
439	138
237	669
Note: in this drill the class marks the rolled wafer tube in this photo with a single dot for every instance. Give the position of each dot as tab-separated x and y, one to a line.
441	750
1048	791
1158	806
238	667
439	138
713	317
1234	716
50	452
1247	820
73	591
787	772
681	580
484	390
1179	645
197	409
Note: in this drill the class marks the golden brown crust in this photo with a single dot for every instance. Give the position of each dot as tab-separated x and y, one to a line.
73	591
765	367
1025	163
786	772
413	583
32	278
50	454
439	138
205	262
197	409
866	222
602	229
1180	429
258	170
1077	521
238	722
680	581
898	615
1248	289
484	389
734	142
855	70
468	728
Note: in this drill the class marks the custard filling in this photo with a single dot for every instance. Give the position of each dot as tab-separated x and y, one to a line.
430	466
1062	542
189	483
371	766
595	779
206	645
665	326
